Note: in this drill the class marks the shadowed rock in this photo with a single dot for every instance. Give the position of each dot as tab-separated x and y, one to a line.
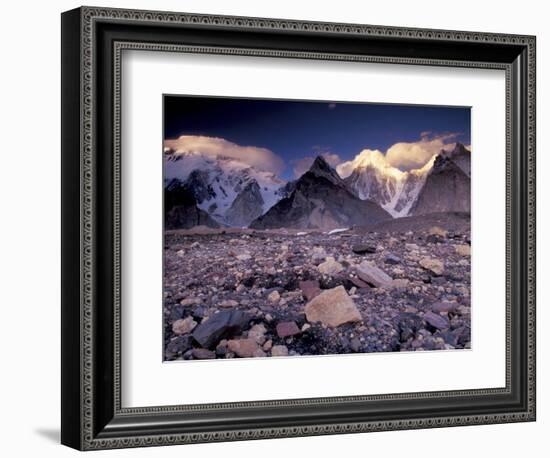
219	326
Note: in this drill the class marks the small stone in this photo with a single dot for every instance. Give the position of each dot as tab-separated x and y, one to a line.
392	259
184	326
257	332
229	303
195	245
245	348
374	276
463	250
330	267
399	283
318	253
310	289
444	307
359	283
436	230
355	345
332	307
203	353
190	301
411	246
178	345
279	350
267	346
274	296
243	257
287	328
437	321
305	327
433	265
363	249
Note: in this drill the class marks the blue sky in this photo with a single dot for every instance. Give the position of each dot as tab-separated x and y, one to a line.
293	130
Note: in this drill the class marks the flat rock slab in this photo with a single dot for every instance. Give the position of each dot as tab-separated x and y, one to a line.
332	307
372	275
437	321
223	324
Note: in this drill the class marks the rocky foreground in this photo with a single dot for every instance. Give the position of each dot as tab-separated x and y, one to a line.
251	293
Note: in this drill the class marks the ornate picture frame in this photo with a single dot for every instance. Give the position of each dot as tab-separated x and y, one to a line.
93	416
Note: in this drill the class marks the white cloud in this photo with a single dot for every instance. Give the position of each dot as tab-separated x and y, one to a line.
401	157
412	155
374	158
301	166
259	158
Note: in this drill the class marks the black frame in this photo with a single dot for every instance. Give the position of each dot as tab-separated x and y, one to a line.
92	42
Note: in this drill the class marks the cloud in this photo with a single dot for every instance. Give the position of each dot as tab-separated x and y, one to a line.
301	166
365	158
412	155
259	158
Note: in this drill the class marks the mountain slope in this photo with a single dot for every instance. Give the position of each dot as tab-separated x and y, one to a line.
217	182
246	207
181	210
320	200
369	176
447	187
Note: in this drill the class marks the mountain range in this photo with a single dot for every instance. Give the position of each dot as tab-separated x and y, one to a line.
223	191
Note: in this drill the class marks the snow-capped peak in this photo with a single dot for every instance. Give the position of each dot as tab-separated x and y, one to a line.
371	177
216	181
369	158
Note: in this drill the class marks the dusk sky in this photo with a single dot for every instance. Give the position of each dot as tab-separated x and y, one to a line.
298	130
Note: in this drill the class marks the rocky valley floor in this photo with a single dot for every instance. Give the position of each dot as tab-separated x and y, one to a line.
249	293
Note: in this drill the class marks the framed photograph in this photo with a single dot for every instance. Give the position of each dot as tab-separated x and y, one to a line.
277	228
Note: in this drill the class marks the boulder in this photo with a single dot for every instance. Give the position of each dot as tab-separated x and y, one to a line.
257	332
463	250
330	267
221	325
310	289
203	353
437	321
245	348
332	307
363	249
279	350
433	265
287	329
183	326
372	275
